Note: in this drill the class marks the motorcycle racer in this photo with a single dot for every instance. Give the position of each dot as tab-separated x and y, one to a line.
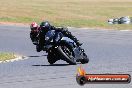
34	32
45	26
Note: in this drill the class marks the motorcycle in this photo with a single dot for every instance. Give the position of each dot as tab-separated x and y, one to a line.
61	47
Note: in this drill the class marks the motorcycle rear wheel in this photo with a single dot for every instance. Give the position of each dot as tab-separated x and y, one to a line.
51	58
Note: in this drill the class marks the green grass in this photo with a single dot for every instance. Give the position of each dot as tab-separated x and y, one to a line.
78	13
6	56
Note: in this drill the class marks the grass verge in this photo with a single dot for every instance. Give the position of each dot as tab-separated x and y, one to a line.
6	56
77	13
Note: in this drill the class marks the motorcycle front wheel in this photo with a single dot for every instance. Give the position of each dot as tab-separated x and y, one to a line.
67	54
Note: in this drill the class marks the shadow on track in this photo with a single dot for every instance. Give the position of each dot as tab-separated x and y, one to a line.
36	56
54	65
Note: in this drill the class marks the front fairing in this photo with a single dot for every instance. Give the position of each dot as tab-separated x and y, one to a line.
49	36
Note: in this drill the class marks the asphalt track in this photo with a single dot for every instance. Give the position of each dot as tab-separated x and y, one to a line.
109	52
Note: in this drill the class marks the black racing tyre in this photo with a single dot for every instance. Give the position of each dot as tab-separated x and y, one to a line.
67	54
85	59
51	58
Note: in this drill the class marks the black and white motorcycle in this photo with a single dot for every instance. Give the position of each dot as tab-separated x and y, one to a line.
61	47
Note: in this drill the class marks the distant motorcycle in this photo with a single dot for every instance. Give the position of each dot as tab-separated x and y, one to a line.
121	20
61	47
